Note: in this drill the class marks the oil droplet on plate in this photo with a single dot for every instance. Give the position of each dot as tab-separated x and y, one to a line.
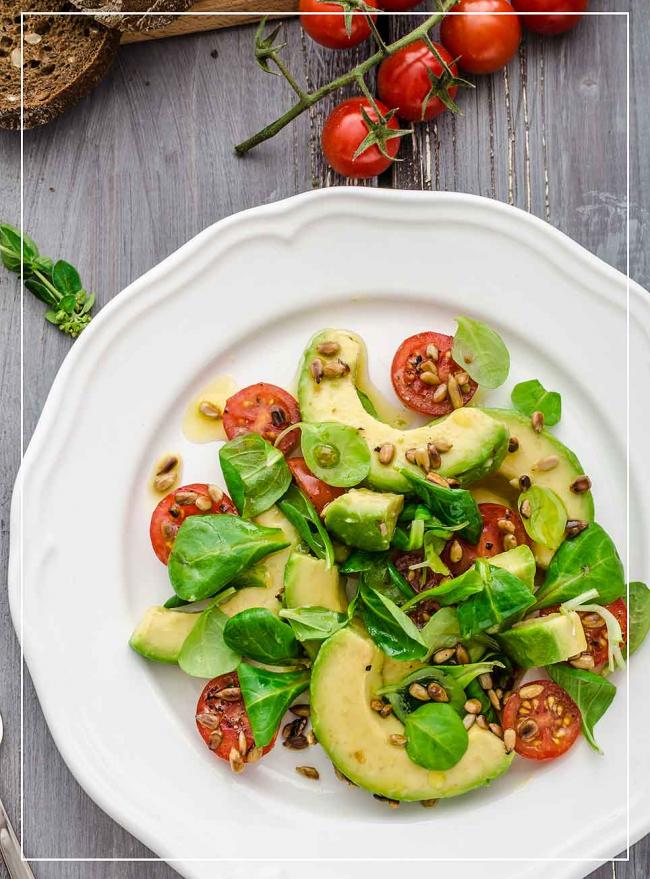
200	428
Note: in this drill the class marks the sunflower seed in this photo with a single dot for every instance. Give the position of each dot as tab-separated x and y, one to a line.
377	705
316	369
575	527
431	378
525	482
308	772
169	531
509	740
580	484
301	710
434	456
531	691
311	737
242	744
494	699
203	503
185	498
444	655
296	743
462	378
164	482
444	446
537	421
432	352
437	479
440	393
167	464
509	542
215	493
506	525
328	349
229	694
207	720
485	680
419	692
254	755
215	740
462	656
592	621
386	710
513	444
437	693
473	706
386	453
428	804
496	729
429	366
422	458
469	720
335	370
482	721
236	760
209	409
527	729
454	393
550	462
410	456
585	661
526	509
397	740
455	552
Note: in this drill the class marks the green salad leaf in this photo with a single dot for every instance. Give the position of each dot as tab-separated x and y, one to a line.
639	614
314	623
503	596
389	627
481	353
547	517
367	404
452	507
258	634
256	473
204	653
210	551
335	452
267	695
532	396
403	703
377	572
436	737
302	514
592	693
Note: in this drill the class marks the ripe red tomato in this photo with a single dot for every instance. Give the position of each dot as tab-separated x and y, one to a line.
406	374
548	24
546	724
481	43
223	723
345	130
491	541
318	492
264	409
596	631
329	30
403	80
167	517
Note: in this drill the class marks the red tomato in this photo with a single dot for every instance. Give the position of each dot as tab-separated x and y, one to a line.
398	5
329	30
420	579
548	24
596	631
318	492
481	43
167	517
407	371
403	80
224	724
264	409
546	725
345	130
491	540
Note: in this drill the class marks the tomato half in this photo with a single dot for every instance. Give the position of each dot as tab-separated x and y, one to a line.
407	371
420	579
345	130
546	23
596	631
178	505
264	409
485	42
404	80
223	723
330	30
546	723
318	492
491	541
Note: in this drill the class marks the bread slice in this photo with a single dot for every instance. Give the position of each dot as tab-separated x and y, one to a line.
134	22
64	59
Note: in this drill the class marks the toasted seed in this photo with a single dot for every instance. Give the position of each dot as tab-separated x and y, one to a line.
432	352
296	743
377	705
509	740
203	503
229	694
455	552
462	378
394	804
444	655
335	370
308	772
580	484
386	710
383	529
437	693
481	721
473	706
254	755
175	511
429	366
207	720
436	478
509	542
168	463
311	737
527	729
525	482
434	456
419	692
236	760
342	777
440	393
209	409
242	744
301	710
462	656
537	421
485	680
428	804
496	729
215	493
431	378
469	720
397	740
499	692
409	454
592	621
386	453
514	483
316	369
526	509
513	444
531	691
422	458
164	482
454	393
575	527
328	349
215	739
444	446
506	525
550	462
169	531
494	699
585	660
184	498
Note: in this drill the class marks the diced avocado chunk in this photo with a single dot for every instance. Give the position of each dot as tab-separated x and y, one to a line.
519	561
308	582
346	676
477	442
161	633
544	640
364	519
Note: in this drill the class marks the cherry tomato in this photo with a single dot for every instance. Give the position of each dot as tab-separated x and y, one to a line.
403	80
596	631
546	724
223	723
491	541
168	515
481	43
318	492
345	130
264	409
329	30
548	24
420	579
411	362
399	5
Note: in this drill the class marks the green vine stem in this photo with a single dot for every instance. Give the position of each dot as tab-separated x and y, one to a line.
308	99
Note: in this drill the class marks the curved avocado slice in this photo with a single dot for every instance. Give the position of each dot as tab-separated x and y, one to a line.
544	640
308	582
345	677
478	442
161	633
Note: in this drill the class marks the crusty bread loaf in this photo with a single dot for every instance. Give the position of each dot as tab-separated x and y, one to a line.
134	22
64	58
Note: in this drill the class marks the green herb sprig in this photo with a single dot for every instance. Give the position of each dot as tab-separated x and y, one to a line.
57	284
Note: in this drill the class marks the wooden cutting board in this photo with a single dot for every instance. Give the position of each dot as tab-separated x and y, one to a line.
249	10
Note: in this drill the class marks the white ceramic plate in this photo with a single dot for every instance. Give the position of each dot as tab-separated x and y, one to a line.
243	297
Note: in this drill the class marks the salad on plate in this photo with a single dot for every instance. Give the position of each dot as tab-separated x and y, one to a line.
423	601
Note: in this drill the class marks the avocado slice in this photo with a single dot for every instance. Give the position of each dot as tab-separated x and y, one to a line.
364	519
478	442
518	561
346	675
161	633
544	640
308	582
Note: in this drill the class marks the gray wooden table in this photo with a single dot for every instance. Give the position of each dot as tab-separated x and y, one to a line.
147	162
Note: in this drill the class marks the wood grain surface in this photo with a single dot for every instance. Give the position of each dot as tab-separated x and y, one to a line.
147	162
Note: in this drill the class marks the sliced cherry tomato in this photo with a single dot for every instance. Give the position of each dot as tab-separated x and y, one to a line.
264	409
318	492
420	579
404	81
547	23
596	631
223	722
481	43
546	724
167	517
411	362
345	130
491	541
330	29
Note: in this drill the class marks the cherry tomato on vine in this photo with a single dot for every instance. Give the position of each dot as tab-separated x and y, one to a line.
413	79
481	43
167	517
330	30
546	724
265	409
346	129
546	23
318	492
459	555
595	629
